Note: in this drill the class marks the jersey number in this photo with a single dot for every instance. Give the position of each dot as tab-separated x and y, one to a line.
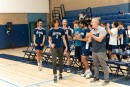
56	36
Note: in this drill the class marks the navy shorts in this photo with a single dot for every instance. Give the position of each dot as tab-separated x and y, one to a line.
85	52
122	46
111	47
39	47
78	52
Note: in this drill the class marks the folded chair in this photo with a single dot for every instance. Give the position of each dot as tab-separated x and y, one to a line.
29	52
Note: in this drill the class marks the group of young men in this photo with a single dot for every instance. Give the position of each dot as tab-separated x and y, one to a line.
84	36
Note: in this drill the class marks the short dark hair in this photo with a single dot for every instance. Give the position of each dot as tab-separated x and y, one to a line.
103	23
76	22
54	21
115	24
89	24
39	20
84	22
83	13
120	23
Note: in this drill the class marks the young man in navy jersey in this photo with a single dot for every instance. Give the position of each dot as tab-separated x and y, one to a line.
122	37
67	37
84	47
56	40
39	39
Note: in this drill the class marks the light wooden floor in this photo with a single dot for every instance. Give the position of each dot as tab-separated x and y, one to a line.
18	74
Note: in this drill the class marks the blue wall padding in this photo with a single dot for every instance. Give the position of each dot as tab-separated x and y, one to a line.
19	36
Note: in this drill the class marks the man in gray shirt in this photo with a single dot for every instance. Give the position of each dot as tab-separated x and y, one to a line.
98	35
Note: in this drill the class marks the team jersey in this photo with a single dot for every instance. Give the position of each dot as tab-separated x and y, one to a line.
83	35
56	35
39	35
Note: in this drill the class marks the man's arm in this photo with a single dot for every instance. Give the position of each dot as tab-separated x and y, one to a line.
64	41
43	40
102	35
99	39
34	40
83	39
50	42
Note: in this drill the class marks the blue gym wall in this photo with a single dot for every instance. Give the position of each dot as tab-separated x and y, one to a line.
19	36
20	32
98	10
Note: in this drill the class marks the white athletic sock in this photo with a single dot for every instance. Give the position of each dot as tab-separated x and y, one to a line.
38	64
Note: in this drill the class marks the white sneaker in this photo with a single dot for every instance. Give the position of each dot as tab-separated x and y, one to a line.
40	67
68	70
83	75
88	75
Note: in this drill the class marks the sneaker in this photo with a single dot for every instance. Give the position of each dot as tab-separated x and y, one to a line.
55	79
88	75
105	83
39	68
83	75
94	80
68	70
60	76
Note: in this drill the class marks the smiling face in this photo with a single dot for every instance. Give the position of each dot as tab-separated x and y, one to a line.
64	23
94	23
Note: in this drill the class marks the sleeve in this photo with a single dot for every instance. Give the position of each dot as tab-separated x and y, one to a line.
44	32
63	32
102	32
74	32
69	32
87	31
50	33
34	32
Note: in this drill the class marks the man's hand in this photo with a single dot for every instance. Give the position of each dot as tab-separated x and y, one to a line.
77	36
67	32
108	25
41	44
74	38
52	45
35	44
90	34
66	49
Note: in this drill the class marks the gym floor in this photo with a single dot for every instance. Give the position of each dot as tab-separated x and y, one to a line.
15	73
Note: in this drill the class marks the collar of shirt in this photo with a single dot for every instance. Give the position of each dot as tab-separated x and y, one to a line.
39	28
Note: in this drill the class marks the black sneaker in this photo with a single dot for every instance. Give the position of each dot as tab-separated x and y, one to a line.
60	76
105	83
55	79
94	80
